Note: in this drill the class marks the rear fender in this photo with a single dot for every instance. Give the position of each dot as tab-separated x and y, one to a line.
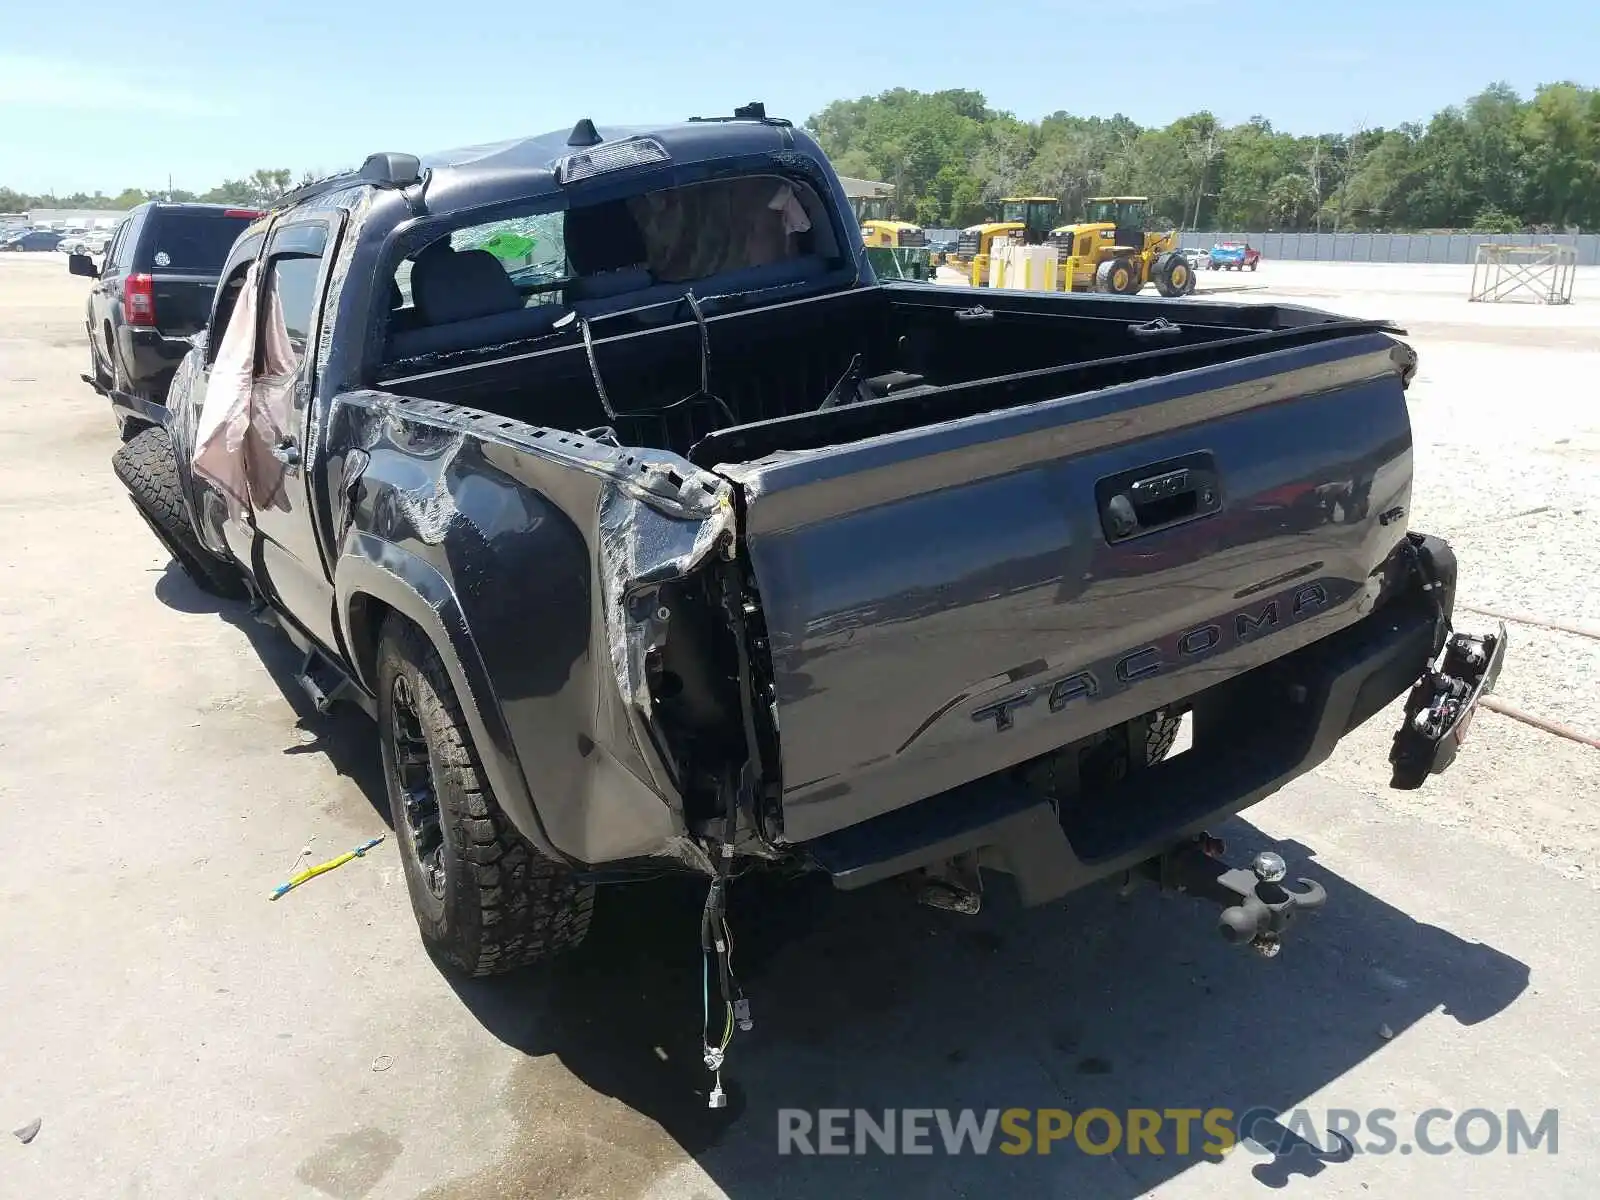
371	569
536	558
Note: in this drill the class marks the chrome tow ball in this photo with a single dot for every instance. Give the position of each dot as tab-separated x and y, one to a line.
1256	908
1265	906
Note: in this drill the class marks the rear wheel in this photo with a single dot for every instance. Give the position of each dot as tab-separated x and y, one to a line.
485	900
148	468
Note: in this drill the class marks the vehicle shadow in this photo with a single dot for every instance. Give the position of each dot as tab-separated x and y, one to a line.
344	735
865	1000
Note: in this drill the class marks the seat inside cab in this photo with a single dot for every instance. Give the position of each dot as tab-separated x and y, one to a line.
517	279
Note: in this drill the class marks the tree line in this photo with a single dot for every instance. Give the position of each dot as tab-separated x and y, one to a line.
260	188
1496	163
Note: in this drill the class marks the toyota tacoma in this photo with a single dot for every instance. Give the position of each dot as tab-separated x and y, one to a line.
657	535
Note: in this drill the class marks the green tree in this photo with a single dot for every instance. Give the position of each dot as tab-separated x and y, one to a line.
1561	133
1532	162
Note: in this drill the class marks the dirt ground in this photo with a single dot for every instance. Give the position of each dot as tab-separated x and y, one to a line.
176	1034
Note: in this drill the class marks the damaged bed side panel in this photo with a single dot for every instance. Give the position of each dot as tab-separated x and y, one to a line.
553	546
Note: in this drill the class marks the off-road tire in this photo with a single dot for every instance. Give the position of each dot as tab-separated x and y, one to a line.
1104	275
148	468
1160	733
504	905
1166	266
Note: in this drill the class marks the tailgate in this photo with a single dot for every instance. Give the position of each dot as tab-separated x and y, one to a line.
949	601
183	302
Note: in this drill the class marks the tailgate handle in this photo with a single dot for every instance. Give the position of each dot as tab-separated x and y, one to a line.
1158	496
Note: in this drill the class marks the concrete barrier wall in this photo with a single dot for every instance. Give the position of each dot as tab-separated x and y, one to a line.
1393	247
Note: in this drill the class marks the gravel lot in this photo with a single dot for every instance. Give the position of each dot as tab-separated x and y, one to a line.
177	1035
1506	423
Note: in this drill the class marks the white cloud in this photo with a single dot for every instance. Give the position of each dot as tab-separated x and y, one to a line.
29	81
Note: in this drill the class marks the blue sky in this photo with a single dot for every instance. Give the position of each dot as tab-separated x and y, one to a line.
100	94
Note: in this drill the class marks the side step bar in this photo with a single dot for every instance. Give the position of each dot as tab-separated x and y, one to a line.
321	680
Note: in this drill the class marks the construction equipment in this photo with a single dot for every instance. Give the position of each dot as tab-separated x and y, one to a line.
879	226
896	249
1114	250
1026	219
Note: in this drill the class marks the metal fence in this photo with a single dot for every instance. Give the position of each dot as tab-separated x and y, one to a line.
1394	247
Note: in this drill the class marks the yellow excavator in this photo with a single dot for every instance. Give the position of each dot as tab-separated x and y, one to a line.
1029	219
1113	250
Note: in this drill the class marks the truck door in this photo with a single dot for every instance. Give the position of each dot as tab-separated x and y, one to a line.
286	555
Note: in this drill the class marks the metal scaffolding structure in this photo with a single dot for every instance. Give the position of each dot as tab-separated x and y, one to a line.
1537	274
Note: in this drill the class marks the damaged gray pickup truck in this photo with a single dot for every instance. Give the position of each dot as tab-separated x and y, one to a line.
656	534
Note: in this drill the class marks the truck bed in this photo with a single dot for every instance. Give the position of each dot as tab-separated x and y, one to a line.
773	367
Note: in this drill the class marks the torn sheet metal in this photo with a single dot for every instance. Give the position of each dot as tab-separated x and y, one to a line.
658	517
641	548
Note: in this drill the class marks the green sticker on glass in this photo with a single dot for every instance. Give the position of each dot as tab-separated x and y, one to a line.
509	247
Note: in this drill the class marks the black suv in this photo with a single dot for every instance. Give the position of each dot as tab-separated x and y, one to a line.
152	292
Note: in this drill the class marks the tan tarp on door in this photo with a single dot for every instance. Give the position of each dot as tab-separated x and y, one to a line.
247	412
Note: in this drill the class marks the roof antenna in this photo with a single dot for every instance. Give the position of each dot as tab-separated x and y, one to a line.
584	134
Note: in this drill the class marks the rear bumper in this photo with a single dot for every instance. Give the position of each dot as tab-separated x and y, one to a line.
151	358
1252	735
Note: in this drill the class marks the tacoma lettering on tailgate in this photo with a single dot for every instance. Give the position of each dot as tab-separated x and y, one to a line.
1145	661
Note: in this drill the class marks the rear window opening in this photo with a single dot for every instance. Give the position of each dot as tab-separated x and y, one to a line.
195	240
514	279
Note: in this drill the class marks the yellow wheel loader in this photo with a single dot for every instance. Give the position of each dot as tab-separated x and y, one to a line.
1113	250
1028	219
